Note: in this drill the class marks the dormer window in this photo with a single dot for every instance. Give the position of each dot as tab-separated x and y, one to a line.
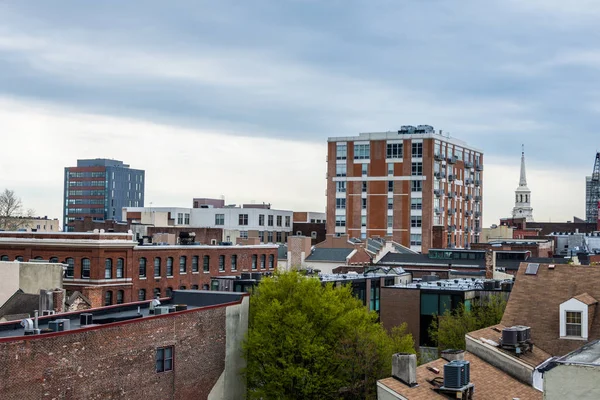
573	323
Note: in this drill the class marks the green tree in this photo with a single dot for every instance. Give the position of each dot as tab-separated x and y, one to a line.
312	341
449	330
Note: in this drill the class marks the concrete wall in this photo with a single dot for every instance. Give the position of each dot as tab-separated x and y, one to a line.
572	382
36	276
9	283
384	393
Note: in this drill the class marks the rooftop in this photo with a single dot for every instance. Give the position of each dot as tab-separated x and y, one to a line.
588	354
351	276
329	254
122	313
461	285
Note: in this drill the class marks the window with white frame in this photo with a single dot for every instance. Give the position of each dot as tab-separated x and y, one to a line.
270	220
279	220
179	218
364	187
340	187
362	151
390	203
394	150
573	323
287	221
364	204
390	167
340	170
363	220
364	169
417	168
243	234
219	219
341	151
340	203
261	219
416	186
415	221
417	150
416	203
186	219
340	220
415	239
243	219
390	221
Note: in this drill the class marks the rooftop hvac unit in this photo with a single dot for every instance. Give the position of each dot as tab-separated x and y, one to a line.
48	312
161	310
256	276
457	374
86	319
523	333
180	307
510	337
246	275
489	285
59	325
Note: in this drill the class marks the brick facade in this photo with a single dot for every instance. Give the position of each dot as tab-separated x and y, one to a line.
399	306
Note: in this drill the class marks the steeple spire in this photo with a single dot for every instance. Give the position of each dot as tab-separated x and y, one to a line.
523	179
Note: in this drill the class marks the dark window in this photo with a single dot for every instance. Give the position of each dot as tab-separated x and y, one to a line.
194	287
206	263
234	262
120	295
108	298
169	266
70	267
182	287
243	219
279	220
169	292
120	267
164	359
573	323
417	168
271	261
19	258
364	187
417	149
195	264
4	258
416	186
156	292
142	267
261	219
183	264
53	259
263	261
142	294
254	258
221	263
394	150
108	268
390	186
270	220
278	237
364	204
157	266
85	268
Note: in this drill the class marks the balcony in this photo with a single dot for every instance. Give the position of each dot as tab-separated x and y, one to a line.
477	230
477	199
438	175
438	210
468	213
468	181
438	192
477	182
468	164
451	178
452	160
438	157
468	197
479	167
477	214
451	228
468	229
451	211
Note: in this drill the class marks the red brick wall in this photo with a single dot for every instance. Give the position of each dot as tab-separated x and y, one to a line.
401	305
203	235
119	361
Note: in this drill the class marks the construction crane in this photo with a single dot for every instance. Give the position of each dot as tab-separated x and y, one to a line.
593	195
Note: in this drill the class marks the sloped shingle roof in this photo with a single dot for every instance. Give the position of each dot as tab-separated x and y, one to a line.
329	254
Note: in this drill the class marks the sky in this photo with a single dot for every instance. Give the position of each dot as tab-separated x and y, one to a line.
238	98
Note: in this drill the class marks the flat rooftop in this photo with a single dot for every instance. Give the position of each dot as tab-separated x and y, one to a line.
588	354
107	316
352	276
458	284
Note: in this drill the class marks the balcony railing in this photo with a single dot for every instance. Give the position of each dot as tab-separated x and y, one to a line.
438	157
468	164
450	178
452	159
477	199
468	197
477	182
468	181
438	192
479	167
477	214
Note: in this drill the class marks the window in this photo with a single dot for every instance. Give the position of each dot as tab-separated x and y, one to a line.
363	220
390	221
221	263
206	263
4	258
415	239
288	221
416	203
278	237
108	268
120	267
261	236
416	186
157	267
234	262
417	150
261	219
279	220
157	293
390	203
195	264
374	298
169	266
183	264
364	204
270	237
270	220
271	261
186	219
120	296
254	260
53	259
417	168
85	268
263	260
179	218
70	267
364	187
141	294
164	359
108	298
340	170
340	151
364	169
390	169
340	187
169	292
415	221
574	323
243	235
390	186
243	219
340	203
219	219
194	287
394	150
361	151
142	267
340	220
182	287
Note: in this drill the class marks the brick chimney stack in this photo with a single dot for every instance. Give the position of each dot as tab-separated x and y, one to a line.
58	300
489	264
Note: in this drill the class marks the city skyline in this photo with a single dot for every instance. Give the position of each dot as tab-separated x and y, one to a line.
192	86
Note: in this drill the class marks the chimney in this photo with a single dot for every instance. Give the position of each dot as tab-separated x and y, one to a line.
451	355
489	264
58	300
404	368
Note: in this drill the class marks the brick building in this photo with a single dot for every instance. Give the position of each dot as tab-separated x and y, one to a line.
400	185
111	268
311	224
193	351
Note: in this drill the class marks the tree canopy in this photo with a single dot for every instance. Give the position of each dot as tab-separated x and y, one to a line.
11	211
449	330
307	340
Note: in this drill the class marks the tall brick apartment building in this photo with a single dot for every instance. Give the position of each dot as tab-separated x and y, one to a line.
111	268
416	187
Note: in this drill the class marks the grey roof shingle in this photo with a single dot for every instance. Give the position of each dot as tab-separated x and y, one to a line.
329	254
20	303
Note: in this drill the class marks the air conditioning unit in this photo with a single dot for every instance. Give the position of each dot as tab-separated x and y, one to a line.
48	312
510	337
59	325
161	310
86	319
457	374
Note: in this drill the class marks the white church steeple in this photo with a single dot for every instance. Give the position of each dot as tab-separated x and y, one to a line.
523	207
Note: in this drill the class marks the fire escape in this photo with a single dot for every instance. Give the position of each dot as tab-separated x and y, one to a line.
594	193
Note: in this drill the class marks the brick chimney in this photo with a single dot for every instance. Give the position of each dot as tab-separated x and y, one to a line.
489	264
94	295
298	249
58	300
439	237
451	355
404	368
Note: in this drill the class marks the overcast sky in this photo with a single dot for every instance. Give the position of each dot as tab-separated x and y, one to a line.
237	98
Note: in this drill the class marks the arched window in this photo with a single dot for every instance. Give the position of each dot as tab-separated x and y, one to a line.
38	258
169	292
120	296
141	294
53	259
183	264
206	264
19	258
194	287
120	267
263	259
4	258
108	268
254	261
169	266
108	298
182	287
157	267
142	268
70	267
271	261
85	268
205	287
195	264
156	292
